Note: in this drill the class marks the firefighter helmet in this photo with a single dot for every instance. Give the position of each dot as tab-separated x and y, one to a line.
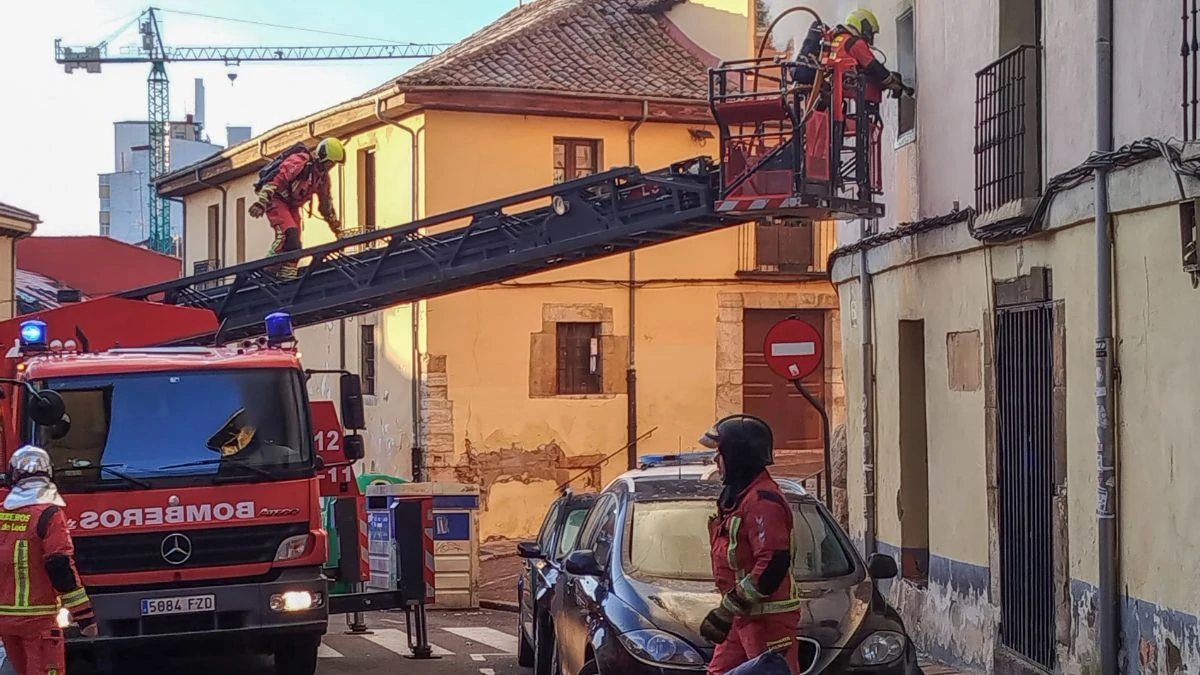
742	440
331	150
29	461
864	23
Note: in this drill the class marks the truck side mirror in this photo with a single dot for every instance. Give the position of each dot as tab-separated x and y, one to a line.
353	415
46	407
354	448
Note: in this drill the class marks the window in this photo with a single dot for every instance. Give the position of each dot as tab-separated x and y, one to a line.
578	358
545	538
366	189
575	158
906	62
106	204
366	355
603	507
570	532
783	246
105	190
214	233
240	238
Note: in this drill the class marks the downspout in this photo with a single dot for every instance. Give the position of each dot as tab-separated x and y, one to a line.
420	468
183	234
224	216
1106	460
866	316
631	414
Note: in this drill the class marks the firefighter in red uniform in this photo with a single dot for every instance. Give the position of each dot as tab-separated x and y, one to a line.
853	39
751	537
41	578
297	179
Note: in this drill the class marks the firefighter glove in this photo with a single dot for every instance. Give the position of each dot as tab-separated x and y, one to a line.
716	625
256	210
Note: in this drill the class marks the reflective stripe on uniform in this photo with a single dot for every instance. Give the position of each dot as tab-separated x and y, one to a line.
21	573
745	586
31	610
75	598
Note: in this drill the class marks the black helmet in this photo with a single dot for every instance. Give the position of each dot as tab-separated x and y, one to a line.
743	441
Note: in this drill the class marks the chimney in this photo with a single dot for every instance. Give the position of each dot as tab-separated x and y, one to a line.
67	295
199	115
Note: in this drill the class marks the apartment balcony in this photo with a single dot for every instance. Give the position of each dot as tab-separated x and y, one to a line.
1008	137
785	248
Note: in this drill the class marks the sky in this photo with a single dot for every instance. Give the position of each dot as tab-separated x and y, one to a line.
57	128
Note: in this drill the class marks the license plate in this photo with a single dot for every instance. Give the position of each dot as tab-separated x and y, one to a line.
180	605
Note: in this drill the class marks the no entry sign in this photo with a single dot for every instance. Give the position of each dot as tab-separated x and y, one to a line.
793	349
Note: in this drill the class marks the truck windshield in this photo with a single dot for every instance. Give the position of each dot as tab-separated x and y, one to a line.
136	427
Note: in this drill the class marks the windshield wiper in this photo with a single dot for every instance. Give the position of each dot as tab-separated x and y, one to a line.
208	462
110	468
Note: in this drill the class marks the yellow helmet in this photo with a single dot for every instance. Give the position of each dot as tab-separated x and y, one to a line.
331	150
863	22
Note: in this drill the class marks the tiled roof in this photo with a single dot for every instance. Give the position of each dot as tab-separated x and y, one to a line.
36	292
580	46
95	265
18	214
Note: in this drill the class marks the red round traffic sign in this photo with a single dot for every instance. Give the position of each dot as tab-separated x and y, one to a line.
793	349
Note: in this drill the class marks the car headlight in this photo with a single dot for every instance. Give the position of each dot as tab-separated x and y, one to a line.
658	649
879	648
292	548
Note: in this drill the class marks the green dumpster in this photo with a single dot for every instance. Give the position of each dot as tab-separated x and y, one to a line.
327	518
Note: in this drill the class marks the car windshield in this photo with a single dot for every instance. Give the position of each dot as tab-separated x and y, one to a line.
669	540
180	423
566	543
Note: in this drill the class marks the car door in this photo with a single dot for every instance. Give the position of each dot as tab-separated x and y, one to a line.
576	594
535	570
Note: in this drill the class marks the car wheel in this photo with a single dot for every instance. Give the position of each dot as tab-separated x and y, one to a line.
524	649
590	668
545	648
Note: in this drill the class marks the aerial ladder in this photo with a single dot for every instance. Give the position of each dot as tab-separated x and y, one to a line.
780	158
154	52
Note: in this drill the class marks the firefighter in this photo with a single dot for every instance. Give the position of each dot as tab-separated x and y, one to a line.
287	184
41	577
751	536
854	39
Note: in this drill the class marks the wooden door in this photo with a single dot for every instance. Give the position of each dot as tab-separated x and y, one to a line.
799	448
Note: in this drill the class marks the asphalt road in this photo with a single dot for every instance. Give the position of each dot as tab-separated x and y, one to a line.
467	642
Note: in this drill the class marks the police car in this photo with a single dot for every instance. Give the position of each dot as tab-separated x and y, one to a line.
695	465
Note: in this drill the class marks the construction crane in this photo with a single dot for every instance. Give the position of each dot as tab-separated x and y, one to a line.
154	52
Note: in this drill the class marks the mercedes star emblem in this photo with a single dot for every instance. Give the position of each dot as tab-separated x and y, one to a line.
176	548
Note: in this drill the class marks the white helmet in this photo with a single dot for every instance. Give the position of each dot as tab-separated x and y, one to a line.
29	461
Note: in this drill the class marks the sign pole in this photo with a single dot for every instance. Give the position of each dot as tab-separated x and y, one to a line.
812	400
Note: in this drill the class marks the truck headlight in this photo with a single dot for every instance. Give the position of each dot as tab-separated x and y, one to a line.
658	648
292	548
296	601
878	648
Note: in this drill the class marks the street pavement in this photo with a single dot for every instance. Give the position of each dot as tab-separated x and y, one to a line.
467	642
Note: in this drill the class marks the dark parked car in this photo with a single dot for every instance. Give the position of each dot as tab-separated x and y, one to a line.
636	588
543	564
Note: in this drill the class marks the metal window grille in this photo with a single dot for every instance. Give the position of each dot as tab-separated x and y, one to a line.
1008	135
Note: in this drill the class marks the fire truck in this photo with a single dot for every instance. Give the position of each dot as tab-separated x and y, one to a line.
178	417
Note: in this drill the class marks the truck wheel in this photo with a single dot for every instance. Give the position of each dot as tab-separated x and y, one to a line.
297	657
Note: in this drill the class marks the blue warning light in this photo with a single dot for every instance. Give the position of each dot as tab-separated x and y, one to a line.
33	333
279	328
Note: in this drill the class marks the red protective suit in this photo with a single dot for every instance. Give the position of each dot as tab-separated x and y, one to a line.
297	181
749	544
37	577
846	47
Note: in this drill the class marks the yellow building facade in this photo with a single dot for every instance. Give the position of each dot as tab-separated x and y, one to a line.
522	387
15	224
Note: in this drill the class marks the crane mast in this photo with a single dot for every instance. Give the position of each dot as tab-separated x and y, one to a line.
158	95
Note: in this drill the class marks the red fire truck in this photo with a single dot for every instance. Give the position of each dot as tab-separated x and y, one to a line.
178	417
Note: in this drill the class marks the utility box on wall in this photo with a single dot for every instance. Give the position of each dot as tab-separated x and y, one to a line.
455	540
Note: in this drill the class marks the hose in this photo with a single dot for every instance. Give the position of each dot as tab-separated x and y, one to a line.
762	46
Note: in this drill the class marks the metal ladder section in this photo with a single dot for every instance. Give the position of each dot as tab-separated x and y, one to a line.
589	218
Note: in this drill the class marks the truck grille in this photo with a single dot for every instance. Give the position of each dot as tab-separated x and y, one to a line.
109	554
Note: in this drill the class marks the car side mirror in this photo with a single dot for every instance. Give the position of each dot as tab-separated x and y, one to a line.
46	407
354	447
882	566
583	563
529	550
